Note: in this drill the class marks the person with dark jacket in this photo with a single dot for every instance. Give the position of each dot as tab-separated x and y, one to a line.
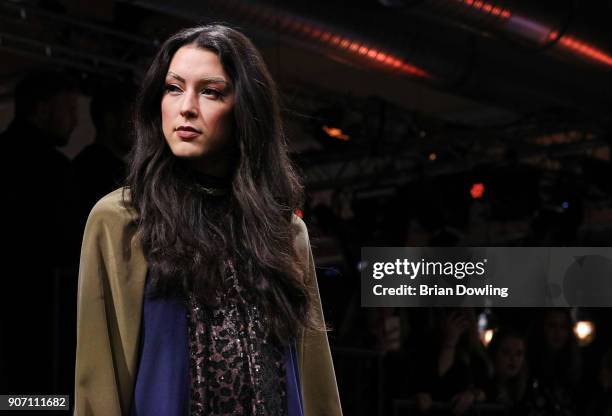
455	368
41	238
101	166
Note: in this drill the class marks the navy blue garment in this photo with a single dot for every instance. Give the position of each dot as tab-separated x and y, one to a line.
162	383
294	394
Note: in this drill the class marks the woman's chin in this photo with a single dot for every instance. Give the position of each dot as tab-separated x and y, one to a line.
187	152
188	156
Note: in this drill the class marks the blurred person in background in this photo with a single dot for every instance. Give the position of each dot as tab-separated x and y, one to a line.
101	166
455	368
507	352
41	238
554	363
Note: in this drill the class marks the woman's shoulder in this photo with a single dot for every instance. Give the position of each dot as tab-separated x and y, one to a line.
301	241
299	225
114	208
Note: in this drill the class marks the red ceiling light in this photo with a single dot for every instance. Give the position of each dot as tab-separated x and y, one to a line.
305	28
581	48
381	57
488	8
335	133
410	69
413	70
477	190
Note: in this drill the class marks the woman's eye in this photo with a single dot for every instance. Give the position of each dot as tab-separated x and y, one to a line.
212	93
172	88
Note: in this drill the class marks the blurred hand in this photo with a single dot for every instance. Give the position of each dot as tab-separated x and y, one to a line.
456	323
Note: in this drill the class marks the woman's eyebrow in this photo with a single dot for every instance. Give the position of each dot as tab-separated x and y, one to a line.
206	79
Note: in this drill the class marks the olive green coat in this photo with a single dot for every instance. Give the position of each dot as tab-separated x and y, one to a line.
112	275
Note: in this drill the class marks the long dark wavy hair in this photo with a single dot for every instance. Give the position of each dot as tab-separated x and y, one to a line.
186	242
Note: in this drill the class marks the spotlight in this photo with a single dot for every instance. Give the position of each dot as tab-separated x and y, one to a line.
487	336
585	332
486	326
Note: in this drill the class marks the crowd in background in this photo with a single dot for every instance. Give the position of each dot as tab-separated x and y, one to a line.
438	361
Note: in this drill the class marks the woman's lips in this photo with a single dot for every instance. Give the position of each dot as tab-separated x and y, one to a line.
187	134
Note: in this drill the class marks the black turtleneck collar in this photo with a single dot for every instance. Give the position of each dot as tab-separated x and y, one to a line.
212	185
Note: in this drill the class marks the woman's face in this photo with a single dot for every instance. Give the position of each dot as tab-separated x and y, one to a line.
509	358
196	110
556	329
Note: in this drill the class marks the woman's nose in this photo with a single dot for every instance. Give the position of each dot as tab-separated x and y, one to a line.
189	105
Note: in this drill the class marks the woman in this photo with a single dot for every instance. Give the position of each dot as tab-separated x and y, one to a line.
507	352
555	365
197	289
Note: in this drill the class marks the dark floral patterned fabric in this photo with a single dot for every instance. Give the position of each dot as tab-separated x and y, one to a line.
236	369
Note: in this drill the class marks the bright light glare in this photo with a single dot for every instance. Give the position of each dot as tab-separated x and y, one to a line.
585	332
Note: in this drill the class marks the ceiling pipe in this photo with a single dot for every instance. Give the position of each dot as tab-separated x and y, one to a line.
550	26
341	42
427	52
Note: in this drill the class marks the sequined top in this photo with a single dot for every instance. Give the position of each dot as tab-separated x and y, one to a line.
235	368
